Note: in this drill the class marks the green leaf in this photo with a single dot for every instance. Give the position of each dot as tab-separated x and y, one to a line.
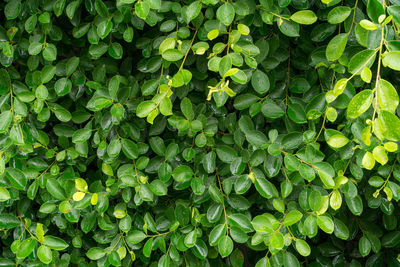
50	52
388	98
192	11
244	101
166	106
303	248
148	247
339	14
81	135
336	47
257	139
187	108
5	120
168	43
17	178
5	81
395	12
35	48
144	108
355	205
325	223
241	221
361	60
359	104
260	82
182	173
44	254
48	73
4	194
266	188
55	243
292	217
95	253
390	124
101	8
368	161
190	239
364	246
61	113
374	10
226	153
290	260
158	187
289	28
392	60
104	28
277	240
130	149
306	17
55	189
337	141
142	9
225	246
12	9
326	173
26	248
172	55
8	221
97	50
341	230
63	86
135	237
216	234
115	50
226	14
296	113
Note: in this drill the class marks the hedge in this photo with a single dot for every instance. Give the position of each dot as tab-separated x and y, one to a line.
199	133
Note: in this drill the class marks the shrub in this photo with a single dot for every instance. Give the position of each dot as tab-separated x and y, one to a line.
199	133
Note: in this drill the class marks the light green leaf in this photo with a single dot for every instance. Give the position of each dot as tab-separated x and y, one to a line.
325	223
226	14
359	104
225	246
44	254
172	55
336	47
388	98
339	14
306	17
292	217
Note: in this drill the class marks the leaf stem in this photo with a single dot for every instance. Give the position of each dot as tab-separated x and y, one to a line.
187	52
378	71
223	202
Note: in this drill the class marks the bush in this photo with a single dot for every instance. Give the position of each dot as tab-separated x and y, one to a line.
199	133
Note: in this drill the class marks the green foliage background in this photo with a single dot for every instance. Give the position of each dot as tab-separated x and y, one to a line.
199	133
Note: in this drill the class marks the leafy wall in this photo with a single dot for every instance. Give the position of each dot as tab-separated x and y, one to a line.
199	133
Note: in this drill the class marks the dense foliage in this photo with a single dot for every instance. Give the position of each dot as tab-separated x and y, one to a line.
199	133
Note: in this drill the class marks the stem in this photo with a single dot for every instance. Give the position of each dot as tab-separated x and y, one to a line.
187	52
322	127
378	71
161	234
354	17
46	169
387	178
26	228
287	82
223	203
229	33
108	253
